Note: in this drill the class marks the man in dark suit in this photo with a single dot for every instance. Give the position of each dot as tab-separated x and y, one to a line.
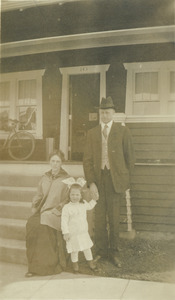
108	160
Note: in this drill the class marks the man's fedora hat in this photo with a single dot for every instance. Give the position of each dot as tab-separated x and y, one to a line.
107	103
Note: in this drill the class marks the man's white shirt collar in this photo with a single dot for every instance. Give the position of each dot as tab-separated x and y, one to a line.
109	124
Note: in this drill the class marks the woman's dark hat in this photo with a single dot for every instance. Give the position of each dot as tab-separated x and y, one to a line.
107	103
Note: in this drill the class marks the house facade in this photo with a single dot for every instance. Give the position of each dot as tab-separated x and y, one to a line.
59	58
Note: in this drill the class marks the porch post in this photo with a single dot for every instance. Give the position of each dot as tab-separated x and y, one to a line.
102	84
64	128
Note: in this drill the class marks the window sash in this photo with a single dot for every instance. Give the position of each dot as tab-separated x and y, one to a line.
25	95
172	85
150	89
5	93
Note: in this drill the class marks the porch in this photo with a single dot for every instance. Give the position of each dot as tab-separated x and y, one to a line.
147	209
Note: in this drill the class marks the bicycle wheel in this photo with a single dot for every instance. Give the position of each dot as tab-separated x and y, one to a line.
21	145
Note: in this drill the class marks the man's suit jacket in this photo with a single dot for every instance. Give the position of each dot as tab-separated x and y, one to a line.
120	154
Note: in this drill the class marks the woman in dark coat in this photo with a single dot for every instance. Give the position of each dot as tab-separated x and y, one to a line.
45	246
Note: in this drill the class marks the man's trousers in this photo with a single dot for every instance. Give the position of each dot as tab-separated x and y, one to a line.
107	216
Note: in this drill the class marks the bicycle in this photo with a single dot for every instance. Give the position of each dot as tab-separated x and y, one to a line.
19	144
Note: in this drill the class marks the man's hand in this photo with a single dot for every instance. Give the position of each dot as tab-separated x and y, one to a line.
94	191
66	236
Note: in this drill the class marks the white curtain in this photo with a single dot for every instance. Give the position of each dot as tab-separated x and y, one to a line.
146	100
5	93
27	92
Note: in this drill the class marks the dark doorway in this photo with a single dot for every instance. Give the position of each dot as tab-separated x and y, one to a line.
84	101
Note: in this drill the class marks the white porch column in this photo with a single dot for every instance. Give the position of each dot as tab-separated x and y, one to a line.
103	84
64	126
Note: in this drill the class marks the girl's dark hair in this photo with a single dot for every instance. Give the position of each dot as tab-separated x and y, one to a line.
59	153
77	186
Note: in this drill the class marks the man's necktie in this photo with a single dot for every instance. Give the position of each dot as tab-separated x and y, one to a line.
105	133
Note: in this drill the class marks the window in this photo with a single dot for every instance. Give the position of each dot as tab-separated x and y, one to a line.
21	98
4	101
27	104
146	100
150	91
171	99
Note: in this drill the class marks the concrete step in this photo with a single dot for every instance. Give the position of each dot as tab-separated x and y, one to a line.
12	229
37	169
13	251
19	180
29	174
14	193
19	183
15	209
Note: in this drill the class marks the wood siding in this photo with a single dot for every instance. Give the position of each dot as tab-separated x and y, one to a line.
153	180
154	142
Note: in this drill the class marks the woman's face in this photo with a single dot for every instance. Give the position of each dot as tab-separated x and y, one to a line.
55	163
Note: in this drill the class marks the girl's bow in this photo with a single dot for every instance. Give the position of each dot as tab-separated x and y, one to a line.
69	181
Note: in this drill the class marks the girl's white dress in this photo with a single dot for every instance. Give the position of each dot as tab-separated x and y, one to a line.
74	222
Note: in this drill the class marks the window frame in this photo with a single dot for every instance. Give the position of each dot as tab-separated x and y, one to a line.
14	78
163	68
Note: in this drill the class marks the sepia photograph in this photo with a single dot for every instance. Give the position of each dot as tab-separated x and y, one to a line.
87	150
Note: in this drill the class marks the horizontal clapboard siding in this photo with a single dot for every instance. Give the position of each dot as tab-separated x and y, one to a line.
154	141
153	179
153	198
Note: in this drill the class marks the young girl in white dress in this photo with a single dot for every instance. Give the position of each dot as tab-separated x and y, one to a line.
74	226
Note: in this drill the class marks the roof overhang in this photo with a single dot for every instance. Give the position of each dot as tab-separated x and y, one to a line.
7	5
136	36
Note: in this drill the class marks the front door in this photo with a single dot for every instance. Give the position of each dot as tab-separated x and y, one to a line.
84	98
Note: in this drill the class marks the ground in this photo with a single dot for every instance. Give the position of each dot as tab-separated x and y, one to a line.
142	259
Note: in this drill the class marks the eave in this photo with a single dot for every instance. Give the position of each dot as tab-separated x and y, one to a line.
23	4
135	36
